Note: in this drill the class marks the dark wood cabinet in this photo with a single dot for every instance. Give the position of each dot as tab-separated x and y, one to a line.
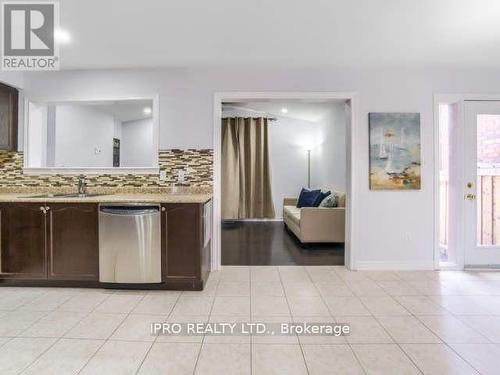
58	244
56	241
72	241
185	256
22	236
8	117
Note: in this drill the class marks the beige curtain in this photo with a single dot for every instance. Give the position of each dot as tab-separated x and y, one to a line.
246	173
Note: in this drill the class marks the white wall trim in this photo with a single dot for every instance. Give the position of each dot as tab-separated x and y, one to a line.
435	182
234	96
394	266
90	171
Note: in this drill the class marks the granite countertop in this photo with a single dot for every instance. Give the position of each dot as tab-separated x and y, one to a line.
110	198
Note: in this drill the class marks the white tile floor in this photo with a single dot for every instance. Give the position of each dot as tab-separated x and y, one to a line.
401	322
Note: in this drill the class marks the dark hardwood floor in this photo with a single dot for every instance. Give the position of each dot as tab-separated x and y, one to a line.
253	243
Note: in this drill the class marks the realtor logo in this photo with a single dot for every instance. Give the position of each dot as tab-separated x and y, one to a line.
28	35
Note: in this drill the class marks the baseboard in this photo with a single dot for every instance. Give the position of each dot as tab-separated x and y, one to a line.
255	220
482	267
393	266
449	266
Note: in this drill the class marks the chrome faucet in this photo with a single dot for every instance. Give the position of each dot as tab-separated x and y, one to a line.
82	185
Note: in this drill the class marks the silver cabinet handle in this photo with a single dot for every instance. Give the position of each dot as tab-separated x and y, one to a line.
47	208
163	209
43	209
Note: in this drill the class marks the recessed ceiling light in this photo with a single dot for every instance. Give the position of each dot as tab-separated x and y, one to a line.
62	36
284	110
147	110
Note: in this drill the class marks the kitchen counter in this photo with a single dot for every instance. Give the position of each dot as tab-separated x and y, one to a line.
56	241
110	198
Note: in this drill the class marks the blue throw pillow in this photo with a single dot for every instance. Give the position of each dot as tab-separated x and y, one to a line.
321	197
307	198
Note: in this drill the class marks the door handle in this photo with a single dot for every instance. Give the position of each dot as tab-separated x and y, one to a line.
470	196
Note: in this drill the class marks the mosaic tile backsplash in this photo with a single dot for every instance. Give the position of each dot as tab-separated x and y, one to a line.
197	163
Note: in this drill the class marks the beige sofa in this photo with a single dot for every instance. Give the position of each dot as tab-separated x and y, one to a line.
315	224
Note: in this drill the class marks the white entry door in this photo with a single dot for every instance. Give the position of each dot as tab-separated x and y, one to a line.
482	183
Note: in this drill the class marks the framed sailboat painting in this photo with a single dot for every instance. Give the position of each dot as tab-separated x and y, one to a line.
395	151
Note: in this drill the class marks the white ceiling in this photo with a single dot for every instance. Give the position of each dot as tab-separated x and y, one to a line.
300	110
128	110
123	110
312	33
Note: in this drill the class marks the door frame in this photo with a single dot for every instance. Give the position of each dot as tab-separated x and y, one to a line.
459	99
351	243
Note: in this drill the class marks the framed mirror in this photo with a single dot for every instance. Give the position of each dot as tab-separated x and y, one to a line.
92	136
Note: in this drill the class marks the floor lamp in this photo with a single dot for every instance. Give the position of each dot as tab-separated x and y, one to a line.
309	169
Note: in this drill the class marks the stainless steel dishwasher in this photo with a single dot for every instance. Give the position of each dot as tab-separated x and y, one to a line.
129	243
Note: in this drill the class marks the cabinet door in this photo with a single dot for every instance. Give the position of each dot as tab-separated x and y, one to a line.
73	243
22	237
8	117
181	233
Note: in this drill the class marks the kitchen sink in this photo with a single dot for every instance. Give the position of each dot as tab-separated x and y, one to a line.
70	195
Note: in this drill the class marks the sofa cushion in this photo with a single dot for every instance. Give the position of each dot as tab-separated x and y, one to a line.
292	213
330	201
307	198
321	197
340	196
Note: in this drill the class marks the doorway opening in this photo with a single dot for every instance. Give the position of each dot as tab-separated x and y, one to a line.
270	148
468	189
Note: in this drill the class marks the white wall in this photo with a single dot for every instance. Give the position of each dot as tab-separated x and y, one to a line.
15	79
329	157
80	130
117	131
37	136
288	157
393	229
136	143
289	141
